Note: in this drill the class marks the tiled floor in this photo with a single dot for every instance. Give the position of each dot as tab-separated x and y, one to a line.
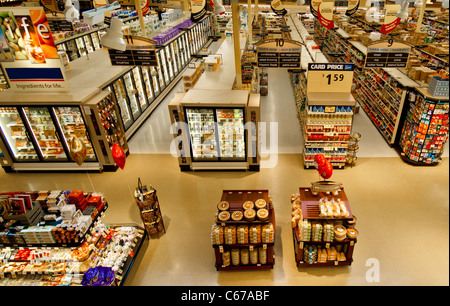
402	211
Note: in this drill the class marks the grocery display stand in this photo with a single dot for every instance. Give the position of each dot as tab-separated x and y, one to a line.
61	247
425	131
236	199
149	208
311	212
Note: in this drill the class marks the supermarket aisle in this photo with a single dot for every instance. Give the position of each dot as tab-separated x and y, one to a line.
154	135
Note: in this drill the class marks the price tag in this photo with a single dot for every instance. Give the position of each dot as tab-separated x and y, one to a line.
220	249
251	248
327	245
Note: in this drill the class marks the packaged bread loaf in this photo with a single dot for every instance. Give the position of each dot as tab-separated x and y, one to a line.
217	234
245	257
226	260
242	234
235	257
267	235
254	233
262	253
254	256
230	234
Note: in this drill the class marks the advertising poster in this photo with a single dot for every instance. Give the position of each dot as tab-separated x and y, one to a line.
36	66
198	9
325	14
278	8
5	52
44	35
391	21
314	6
353	6
30	40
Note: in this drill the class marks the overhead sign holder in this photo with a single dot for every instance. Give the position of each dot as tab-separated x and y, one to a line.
391	21
352	7
279	53
325	14
387	54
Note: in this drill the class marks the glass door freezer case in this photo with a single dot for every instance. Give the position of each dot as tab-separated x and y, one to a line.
216	129
38	137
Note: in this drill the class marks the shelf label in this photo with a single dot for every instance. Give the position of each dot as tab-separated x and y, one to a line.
329	77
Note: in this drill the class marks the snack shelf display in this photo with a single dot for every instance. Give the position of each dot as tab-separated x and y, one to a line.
38	136
218	131
323	228
425	130
66	244
327	123
243	236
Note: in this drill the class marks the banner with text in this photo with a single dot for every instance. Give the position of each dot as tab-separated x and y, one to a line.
29	55
391	21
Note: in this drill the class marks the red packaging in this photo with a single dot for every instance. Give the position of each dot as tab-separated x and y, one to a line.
76	196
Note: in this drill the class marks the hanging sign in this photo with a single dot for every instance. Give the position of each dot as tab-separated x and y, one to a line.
278	8
325	14
32	62
198	9
279	53
314	6
391	21
387	54
141	52
353	6
329	77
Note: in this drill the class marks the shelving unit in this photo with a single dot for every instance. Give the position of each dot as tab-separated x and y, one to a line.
311	212
257	251
426	129
60	245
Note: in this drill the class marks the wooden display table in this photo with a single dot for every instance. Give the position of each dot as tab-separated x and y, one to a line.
236	198
311	212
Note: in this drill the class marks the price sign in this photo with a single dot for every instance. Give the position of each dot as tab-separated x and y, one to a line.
279	53
329	77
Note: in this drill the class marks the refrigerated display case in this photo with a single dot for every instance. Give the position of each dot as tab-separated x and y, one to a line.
16	136
140	88
80	44
219	130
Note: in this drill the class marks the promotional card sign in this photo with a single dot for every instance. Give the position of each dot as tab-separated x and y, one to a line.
278	8
279	53
198	9
314	7
325	14
391	21
353	6
387	54
33	64
330	77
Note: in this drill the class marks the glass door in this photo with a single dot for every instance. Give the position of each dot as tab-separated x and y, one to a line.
140	88
155	83
170	62
230	122
175	59
72	125
162	71
88	43
131	93
72	50
95	41
121	97
179	50
16	135
45	133
148	84
202	131
80	46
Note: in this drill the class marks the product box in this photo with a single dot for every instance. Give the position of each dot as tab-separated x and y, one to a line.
438	87
76	196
